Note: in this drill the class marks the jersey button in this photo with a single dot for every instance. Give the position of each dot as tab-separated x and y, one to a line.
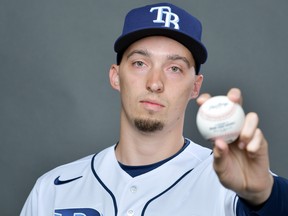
130	212
133	189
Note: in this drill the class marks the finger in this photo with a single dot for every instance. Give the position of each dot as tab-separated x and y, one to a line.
255	144
248	129
202	98
234	94
220	150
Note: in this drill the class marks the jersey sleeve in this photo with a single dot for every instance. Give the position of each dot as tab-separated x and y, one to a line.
275	205
31	204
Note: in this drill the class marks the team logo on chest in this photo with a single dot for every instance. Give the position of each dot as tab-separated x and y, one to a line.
77	212
165	15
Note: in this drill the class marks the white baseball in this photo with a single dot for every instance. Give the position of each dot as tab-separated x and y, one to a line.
219	117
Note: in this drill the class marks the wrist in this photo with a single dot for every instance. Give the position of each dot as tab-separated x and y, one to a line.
257	198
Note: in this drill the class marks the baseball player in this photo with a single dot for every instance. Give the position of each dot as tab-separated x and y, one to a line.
153	170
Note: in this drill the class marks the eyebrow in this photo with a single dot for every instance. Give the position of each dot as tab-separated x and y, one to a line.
178	57
140	52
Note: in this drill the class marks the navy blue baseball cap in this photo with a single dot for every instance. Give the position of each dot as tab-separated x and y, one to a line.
162	19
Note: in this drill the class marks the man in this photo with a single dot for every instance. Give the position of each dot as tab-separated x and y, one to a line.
153	169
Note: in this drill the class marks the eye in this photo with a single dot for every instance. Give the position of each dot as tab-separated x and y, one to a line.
138	63
175	69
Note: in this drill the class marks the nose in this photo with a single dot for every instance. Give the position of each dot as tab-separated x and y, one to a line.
155	81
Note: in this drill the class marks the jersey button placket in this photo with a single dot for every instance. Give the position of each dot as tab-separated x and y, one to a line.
133	189
130	212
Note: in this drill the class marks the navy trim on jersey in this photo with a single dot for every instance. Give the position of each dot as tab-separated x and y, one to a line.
134	171
275	205
138	170
169	188
235	201
104	186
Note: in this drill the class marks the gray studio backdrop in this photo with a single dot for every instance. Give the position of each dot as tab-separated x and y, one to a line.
56	103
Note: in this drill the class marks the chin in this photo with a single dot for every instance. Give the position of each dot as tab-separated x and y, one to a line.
148	125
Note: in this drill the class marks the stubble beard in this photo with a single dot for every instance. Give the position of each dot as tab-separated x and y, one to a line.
148	125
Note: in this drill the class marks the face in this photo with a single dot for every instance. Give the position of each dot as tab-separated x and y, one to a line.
156	79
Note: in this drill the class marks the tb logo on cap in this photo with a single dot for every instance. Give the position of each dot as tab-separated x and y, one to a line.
170	18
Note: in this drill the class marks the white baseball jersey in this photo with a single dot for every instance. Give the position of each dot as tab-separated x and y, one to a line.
97	185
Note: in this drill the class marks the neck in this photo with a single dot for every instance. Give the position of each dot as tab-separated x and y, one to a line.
147	148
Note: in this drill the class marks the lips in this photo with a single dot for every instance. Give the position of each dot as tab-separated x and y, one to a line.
152	105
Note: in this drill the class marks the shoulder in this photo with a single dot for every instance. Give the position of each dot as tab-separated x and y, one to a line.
75	169
67	171
198	152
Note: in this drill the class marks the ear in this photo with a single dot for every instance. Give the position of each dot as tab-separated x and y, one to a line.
197	86
114	77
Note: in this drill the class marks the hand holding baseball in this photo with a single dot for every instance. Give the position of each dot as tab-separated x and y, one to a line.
219	117
243	166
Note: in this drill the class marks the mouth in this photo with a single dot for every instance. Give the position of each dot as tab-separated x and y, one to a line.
152	105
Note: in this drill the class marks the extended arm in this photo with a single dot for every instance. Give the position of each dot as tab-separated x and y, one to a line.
243	166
